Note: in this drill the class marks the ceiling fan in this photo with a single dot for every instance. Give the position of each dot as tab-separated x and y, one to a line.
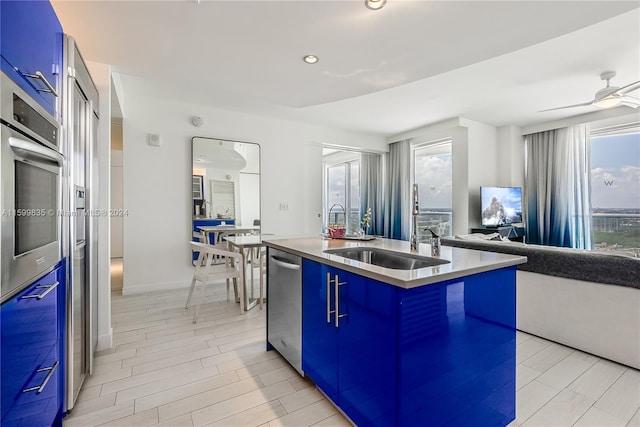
610	96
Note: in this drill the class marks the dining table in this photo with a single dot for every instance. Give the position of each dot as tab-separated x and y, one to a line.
219	232
245	245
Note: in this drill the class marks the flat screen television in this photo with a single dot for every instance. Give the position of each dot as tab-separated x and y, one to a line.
500	206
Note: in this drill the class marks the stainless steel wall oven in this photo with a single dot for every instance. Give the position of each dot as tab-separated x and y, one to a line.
30	168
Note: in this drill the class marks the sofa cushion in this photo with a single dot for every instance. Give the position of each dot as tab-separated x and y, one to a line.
563	262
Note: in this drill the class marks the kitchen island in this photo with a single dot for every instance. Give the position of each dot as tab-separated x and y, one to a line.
429	346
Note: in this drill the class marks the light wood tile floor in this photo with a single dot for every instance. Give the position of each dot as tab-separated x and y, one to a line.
166	371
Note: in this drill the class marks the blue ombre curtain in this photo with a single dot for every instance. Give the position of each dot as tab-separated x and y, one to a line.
558	187
371	191
398	210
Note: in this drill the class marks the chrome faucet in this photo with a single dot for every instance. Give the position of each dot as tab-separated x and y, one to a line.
435	243
415	212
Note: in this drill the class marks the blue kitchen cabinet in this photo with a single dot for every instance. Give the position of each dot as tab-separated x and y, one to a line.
456	351
31	354
319	335
31	47
354	360
442	354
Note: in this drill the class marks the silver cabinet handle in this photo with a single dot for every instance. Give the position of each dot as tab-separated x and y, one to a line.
48	288
329	311
284	264
337	285
41	387
38	75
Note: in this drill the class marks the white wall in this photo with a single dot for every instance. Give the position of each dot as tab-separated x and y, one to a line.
116	195
510	157
157	181
483	164
249	185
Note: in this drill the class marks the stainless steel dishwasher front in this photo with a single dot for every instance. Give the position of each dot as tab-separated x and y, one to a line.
284	308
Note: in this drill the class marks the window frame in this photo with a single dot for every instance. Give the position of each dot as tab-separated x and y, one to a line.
437	146
603	132
346	158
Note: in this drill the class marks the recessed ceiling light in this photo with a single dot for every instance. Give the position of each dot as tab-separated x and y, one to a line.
375	4
310	59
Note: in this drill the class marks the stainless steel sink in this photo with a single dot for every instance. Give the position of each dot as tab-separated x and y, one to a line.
387	259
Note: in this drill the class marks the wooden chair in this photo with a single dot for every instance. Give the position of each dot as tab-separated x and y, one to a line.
206	270
258	259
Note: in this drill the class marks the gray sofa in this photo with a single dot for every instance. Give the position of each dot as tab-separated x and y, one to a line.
586	300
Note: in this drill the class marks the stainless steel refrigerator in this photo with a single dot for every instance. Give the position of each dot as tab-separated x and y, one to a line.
80	118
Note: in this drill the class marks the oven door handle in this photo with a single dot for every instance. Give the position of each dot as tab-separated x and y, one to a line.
48	288
36	152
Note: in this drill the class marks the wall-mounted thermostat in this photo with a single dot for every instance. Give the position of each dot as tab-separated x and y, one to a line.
153	140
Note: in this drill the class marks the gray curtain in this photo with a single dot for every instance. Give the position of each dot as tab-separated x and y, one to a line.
371	191
398	210
558	187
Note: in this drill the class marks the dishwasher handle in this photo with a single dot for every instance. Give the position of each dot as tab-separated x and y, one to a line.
282	262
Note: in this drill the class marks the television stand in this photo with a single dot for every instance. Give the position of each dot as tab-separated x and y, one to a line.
511	232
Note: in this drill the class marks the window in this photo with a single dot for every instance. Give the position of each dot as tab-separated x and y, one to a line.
342	187
433	172
223	198
615	192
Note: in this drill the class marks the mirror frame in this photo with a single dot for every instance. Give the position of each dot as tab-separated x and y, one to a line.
212	216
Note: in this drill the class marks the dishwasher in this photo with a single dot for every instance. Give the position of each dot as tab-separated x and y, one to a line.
284	310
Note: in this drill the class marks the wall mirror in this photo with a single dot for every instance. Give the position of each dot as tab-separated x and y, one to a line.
225	183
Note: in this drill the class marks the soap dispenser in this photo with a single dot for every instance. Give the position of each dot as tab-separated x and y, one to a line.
435	243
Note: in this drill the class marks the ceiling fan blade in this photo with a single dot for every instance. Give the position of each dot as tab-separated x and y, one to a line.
630	101
584	104
628	88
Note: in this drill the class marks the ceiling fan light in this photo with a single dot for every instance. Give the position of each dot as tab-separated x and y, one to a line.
375	4
608	102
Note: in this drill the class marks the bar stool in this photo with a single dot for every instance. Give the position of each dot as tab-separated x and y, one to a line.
207	271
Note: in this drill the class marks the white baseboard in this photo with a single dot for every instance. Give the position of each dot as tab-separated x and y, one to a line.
105	341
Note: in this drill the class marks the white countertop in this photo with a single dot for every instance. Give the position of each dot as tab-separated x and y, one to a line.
464	262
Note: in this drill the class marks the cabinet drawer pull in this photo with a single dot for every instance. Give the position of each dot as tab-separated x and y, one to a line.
48	288
41	387
38	75
329	311
337	285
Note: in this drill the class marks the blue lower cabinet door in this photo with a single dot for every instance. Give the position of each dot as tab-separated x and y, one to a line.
39	401
456	354
30	358
319	336
367	350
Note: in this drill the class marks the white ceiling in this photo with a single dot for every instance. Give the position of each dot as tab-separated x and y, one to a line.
410	64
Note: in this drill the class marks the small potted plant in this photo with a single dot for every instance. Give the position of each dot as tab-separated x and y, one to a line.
366	221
